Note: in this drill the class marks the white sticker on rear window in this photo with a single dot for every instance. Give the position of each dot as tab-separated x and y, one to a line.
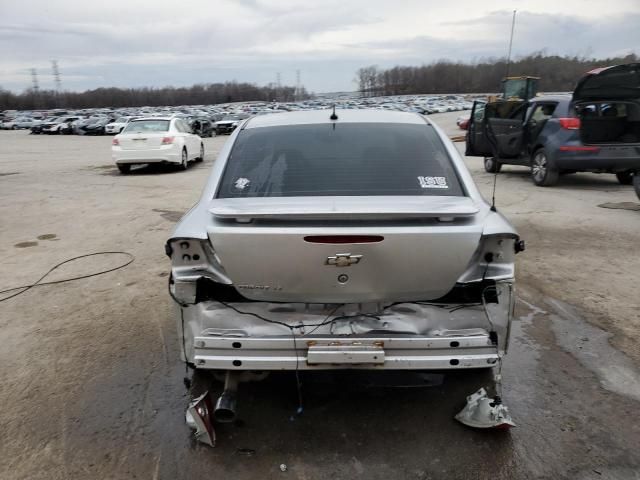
242	183
433	182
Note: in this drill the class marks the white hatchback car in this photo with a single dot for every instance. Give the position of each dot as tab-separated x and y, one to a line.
156	140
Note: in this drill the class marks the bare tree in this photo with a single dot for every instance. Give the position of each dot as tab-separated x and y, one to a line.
443	76
200	94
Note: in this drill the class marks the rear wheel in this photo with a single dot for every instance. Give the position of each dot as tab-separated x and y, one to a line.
625	178
201	156
636	183
491	165
124	168
543	172
184	163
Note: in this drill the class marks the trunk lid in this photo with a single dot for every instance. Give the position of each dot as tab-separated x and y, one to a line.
141	141
619	82
293	258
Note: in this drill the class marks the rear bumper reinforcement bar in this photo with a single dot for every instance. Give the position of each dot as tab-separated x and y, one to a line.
362	352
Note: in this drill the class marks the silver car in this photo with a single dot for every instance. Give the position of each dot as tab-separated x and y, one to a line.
355	240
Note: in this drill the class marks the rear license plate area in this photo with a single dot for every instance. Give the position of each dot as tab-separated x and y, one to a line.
345	353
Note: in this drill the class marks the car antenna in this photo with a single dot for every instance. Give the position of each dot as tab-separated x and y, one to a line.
493	192
495	149
333	115
491	136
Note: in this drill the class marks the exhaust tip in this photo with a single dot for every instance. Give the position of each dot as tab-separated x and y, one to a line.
224	415
225	411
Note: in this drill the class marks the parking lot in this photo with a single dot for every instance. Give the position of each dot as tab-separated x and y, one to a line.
92	385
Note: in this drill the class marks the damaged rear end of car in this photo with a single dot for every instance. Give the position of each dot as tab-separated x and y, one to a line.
359	242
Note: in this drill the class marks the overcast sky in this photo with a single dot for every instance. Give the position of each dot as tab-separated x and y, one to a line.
137	43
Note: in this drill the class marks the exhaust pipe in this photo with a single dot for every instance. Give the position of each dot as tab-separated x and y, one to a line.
225	411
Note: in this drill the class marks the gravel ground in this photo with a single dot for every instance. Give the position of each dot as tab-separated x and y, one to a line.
92	385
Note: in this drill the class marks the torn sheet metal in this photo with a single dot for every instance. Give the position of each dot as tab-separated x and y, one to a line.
484	412
199	416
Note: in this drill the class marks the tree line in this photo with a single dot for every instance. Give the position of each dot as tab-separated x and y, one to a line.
200	94
557	74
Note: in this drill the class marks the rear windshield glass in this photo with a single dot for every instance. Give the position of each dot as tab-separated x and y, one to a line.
147	126
350	159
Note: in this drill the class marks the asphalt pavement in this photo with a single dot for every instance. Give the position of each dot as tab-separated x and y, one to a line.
92	386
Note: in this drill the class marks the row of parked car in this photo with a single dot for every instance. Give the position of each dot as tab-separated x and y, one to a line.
74	124
208	120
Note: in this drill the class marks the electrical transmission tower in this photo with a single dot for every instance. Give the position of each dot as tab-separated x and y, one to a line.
56	75
298	92
34	80
278	87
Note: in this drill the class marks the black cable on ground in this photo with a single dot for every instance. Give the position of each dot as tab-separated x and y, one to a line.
39	282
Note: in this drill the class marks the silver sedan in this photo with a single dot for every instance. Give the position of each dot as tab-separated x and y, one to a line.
354	239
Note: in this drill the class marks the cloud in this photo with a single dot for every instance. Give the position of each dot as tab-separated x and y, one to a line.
552	33
135	43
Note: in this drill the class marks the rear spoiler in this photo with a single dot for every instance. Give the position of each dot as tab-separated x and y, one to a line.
343	208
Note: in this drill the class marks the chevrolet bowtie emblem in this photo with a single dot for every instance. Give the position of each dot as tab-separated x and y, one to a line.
343	260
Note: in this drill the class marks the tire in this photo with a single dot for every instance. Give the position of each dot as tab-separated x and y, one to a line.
491	165
636	183
184	164
201	157
543	172
124	168
625	178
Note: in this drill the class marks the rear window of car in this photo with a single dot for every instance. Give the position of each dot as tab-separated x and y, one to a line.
601	109
347	159
147	126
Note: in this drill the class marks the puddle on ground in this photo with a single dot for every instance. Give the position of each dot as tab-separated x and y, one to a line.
521	361
171	215
25	244
622	206
590	345
47	236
